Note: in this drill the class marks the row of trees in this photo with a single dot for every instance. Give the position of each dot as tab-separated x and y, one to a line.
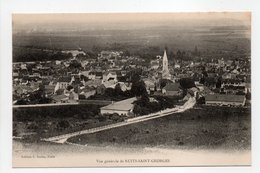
25	55
143	106
60	112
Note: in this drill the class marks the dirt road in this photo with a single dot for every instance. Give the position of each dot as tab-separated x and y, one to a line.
187	105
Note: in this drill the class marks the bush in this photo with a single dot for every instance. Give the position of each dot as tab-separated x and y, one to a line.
82	97
115	117
137	110
187	83
33	126
102	118
180	143
63	124
201	100
15	133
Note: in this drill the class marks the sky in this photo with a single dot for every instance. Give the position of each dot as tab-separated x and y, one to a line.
58	21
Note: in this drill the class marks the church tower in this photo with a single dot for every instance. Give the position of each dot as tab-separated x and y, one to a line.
165	71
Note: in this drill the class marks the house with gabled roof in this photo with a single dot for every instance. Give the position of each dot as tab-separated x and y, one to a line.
63	82
172	89
87	91
124	107
60	98
110	75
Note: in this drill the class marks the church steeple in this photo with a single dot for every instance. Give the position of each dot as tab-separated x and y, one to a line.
165	71
165	62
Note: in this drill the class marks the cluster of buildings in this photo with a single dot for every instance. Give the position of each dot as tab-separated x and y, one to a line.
67	81
220	82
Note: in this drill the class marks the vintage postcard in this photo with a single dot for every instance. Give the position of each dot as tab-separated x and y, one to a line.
131	89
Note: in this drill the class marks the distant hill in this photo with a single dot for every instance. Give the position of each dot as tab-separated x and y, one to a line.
211	41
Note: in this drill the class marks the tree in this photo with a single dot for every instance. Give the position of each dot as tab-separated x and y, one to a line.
118	91
69	87
218	83
82	97
137	110
91	54
135	77
75	65
102	118
115	117
59	91
144	101
210	81
204	73
110	92
201	100
164	82
138	88
179	54
187	83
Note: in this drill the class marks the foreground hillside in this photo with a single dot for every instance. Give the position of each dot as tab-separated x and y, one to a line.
202	127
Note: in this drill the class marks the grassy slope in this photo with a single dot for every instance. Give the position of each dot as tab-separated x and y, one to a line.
43	120
198	128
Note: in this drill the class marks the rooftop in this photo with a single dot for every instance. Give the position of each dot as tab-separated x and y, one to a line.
123	105
59	97
64	79
225	97
172	87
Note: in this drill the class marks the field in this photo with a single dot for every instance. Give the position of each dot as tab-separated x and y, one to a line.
211	41
199	128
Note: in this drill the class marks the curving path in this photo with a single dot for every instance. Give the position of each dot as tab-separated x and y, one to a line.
63	138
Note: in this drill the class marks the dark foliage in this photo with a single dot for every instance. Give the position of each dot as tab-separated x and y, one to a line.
144	107
219	82
164	82
75	65
63	124
187	83
32	54
66	111
138	88
201	100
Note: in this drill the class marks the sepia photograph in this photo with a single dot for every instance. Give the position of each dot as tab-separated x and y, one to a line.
131	89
